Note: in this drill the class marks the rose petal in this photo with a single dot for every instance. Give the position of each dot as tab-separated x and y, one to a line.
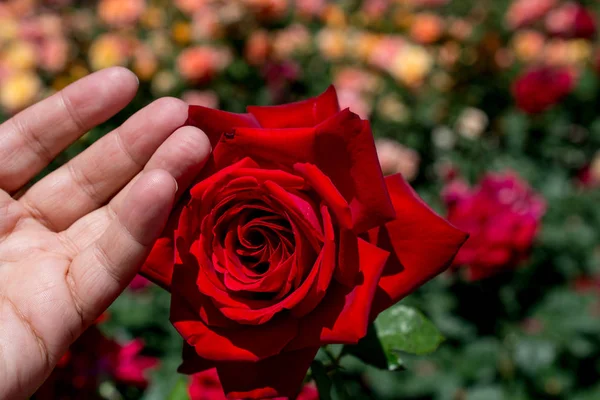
422	244
302	114
278	376
159	265
233	344
343	315
216	122
342	147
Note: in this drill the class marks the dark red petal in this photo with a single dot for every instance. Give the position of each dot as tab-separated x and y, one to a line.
278	376
342	147
302	114
343	315
240	343
422	244
219	177
158	267
321	184
216	122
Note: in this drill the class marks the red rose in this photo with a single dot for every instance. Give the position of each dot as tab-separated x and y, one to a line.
502	216
206	386
541	88
571	21
291	239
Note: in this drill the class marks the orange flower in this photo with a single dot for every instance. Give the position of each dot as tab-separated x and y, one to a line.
201	63
257	47
426	28
121	12
108	50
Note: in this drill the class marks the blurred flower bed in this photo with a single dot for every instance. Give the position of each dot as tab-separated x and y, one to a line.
489	108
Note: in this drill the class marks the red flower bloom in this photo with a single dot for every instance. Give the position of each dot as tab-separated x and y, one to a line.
571	21
502	216
206	386
92	359
291	239
541	88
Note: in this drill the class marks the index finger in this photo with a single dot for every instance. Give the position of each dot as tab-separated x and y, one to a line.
32	138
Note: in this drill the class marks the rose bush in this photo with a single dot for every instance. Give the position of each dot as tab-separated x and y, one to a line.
502	215
290	239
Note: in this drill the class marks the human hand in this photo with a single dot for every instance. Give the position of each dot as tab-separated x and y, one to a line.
73	241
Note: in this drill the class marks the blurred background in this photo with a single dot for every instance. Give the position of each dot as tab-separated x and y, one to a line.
489	108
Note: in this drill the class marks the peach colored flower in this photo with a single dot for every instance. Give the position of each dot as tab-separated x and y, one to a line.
356	79
385	51
257	47
206	25
355	101
108	50
526	12
395	158
460	29
145	62
54	54
412	65
294	39
528	45
426	28
331	43
19	90
202	63
204	98
121	12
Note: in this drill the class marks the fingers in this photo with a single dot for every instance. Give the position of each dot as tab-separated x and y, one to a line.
89	180
103	270
32	138
182	155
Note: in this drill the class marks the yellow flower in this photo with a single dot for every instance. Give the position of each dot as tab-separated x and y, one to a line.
182	32
19	90
107	51
411	65
9	28
20	55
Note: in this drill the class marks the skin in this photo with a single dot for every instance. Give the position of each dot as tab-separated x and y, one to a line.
71	243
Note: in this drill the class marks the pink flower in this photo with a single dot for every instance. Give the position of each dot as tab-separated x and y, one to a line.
139	283
92	358
130	367
571	21
206	386
502	215
539	89
525	12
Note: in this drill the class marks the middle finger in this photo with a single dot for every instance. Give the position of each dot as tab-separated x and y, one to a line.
89	180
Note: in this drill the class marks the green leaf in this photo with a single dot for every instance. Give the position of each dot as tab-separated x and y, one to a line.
324	383
404	329
180	391
369	349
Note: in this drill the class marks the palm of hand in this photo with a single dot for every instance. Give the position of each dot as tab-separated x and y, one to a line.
72	242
